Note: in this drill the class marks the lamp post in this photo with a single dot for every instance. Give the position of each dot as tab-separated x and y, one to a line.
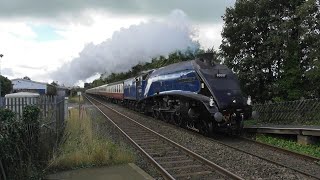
1	55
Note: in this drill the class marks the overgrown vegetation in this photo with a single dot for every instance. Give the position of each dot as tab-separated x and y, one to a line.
312	150
273	47
19	144
85	148
75	99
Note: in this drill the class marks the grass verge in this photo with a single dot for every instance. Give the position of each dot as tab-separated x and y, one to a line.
75	99
83	147
250	122
312	150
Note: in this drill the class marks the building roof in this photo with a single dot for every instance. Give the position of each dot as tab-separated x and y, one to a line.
26	80
22	94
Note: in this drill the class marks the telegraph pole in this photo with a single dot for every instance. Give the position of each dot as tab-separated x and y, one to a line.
1	55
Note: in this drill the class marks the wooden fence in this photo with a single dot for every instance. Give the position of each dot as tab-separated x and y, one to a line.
52	108
291	112
49	130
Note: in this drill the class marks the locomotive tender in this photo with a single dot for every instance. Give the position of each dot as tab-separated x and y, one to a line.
194	94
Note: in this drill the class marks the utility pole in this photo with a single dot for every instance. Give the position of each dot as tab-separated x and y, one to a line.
1	55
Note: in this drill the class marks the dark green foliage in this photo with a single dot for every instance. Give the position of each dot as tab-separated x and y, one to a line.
54	83
19	145
31	114
6	115
312	150
273	47
51	90
6	86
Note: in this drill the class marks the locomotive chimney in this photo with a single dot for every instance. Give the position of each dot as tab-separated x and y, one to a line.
206	58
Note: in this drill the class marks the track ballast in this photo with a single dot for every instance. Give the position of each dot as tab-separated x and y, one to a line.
171	159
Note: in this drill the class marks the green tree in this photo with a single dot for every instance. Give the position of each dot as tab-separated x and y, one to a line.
6	86
54	83
268	43
26	78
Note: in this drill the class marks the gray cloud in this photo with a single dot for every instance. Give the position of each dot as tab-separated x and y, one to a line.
7	72
31	67
200	10
128	47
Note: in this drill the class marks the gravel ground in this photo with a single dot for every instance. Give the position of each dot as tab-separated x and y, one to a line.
242	164
109	131
285	159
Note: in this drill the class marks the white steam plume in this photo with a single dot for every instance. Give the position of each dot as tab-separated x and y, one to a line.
128	47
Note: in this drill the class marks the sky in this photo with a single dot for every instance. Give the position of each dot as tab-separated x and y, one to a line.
73	41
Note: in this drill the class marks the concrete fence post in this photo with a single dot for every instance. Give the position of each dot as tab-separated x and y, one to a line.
66	108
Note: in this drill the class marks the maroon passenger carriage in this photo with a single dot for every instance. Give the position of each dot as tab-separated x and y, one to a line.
113	91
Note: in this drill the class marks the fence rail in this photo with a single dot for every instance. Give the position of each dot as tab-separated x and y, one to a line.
291	112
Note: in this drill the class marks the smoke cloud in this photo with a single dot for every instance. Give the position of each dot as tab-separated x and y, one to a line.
128	47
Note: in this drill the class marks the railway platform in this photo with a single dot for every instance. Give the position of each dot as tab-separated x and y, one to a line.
305	134
121	172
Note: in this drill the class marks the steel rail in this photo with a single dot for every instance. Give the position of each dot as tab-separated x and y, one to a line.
162	171
303	156
279	149
214	166
265	159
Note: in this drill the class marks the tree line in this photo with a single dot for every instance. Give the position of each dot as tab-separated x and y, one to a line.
272	45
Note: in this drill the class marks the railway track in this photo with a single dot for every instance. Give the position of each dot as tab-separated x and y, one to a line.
172	160
282	150
244	145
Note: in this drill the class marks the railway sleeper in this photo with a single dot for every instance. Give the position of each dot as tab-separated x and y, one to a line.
171	158
164	153
177	162
190	171
142	137
163	148
189	175
146	140
194	166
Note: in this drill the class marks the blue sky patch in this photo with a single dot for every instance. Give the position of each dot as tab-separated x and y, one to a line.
45	32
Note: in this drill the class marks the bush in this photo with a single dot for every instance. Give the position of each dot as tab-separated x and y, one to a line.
19	142
31	114
6	115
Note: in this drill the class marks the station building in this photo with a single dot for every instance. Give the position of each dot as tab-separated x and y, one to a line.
25	85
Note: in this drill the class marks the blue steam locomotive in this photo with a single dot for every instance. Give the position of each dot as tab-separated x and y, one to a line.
195	94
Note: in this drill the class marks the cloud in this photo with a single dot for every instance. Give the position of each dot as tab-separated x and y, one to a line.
31	67
200	11
129	46
27	56
7	72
